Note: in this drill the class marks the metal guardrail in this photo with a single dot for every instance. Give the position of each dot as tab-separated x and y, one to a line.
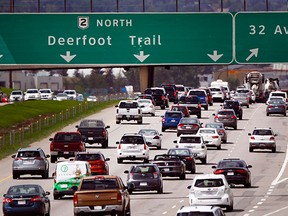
18	135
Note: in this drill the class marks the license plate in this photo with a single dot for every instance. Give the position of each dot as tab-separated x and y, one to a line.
230	173
143	183
188	127
128	116
21	202
166	169
28	162
189	146
66	152
90	138
63	185
173	120
132	147
97	207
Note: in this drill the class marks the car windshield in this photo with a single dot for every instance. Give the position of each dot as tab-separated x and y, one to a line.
243	91
128	105
32	91
278	94
87	157
262	132
45	91
203	183
16	93
190	139
143	101
132	140
180	88
99	184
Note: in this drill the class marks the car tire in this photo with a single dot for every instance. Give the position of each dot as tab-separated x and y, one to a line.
225	141
163	129
250	149
267	114
160	190
206	107
235	128
247	106
158	147
139	121
284	114
240	117
204	160
219	147
119	160
247	185
105	144
15	176
118	121
182	176
146	160
193	170
274	150
130	191
152	114
230	208
178	134
53	159
45	174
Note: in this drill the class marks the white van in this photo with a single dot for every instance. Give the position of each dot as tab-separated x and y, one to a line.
67	177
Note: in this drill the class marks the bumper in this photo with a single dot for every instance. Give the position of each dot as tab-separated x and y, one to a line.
37	208
105	209
221	201
262	145
133	156
144	185
128	117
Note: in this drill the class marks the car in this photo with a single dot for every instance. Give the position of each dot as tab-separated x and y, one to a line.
241	90
26	199
92	98
220	129
16	95
46	94
181	108
160	96
153	137
98	162
80	98
61	97
144	177
170	165
129	110
235	170
32	94
147	106
172	94
280	94
276	107
132	146
193	104
253	96
201	94
4	98
180	89
195	143
188	126
243	98
187	156
262	138
211	189
218	93
272	98
211	137
200	211
146	96
227	117
72	94
31	161
235	105
209	95
171	119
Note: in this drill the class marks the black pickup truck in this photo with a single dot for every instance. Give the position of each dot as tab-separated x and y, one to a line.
93	131
159	95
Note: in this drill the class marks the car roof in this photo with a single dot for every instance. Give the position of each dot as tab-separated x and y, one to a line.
29	149
209	176
189	135
262	128
71	162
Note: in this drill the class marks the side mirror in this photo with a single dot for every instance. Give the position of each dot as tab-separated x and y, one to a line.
249	166
276	134
213	167
126	172
213	114
160	134
50	139
47	156
189	187
117	142
116	105
249	134
77	126
107	159
47	193
107	127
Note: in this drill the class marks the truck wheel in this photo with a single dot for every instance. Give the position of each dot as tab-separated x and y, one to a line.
105	144
139	121
182	176
206	107
119	160
118	121
162	107
53	159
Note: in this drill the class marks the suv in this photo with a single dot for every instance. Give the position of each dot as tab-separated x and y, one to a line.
193	104
93	131
31	161
171	92
72	94
235	105
159	95
128	110
16	95
65	144
46	94
200	210
32	94
211	189
132	146
218	93
262	138
171	119
201	94
227	117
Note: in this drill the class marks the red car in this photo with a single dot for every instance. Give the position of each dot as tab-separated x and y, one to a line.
98	162
4	98
183	109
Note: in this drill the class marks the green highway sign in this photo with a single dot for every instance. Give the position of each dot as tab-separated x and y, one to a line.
261	37
116	39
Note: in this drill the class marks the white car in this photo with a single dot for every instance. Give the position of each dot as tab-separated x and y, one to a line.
72	94
200	210
132	146
210	136
217	93
281	94
195	143
153	137
275	98
262	138
32	94
211	189
61	96
46	94
16	95
92	98
147	106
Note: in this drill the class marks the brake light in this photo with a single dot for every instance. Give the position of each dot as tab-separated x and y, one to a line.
199	106
221	131
216	117
156	137
180	125
241	171
215	137
163	120
81	147
162	97
282	106
145	146
104	133
272	138
17	159
151	106
119	197
270	106
155	175
252	137
75	199
219	171
233	117
36	199
174	94
51	146
119	146
7	200
189	158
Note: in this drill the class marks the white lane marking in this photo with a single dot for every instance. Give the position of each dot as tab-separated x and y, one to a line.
255	207
181	201
278	210
259	203
164	213
174	206
263	200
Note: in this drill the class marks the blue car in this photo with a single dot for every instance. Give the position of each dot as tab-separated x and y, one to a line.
202	96
171	119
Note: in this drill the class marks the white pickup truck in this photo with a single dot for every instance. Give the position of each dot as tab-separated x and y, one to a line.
128	110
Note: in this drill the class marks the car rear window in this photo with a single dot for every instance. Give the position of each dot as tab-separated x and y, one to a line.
262	132
198	93
28	154
278	94
209	183
132	140
154	91
173	115
88	157
224	164
195	213
91	123
189	100
99	184
67	137
232	103
128	105
224	112
190	140
188	121
148	132
213	126
23	189
143	169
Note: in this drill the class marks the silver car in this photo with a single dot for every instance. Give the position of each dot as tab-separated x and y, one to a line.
31	161
153	137
220	129
243	98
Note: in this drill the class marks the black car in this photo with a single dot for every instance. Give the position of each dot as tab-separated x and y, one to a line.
159	95
170	165
144	177
26	199
235	170
235	105
171	92
187	156
193	104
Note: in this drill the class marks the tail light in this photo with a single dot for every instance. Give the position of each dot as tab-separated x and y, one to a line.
36	199
215	137
75	199
252	137
199	106
220	171
233	117
81	147
272	138
241	171
270	106
51	146
7	200
119	197
145	146
189	158
180	125
18	159
119	146
156	137
104	133
216	117
162	97
151	106
282	106
221	131
155	175
163	120
78	131
174	94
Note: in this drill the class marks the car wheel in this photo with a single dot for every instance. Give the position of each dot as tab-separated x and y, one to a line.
118	121
15	176
193	170
146	160
247	185
267	114
204	160
284	114
229	208
273	150
235	128
56	197
219	147
163	129
158	147
105	144
152	114
130	191
182	176
160	190
225	141
45	174
250	149
178	134
53	159
119	160
139	121
240	117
